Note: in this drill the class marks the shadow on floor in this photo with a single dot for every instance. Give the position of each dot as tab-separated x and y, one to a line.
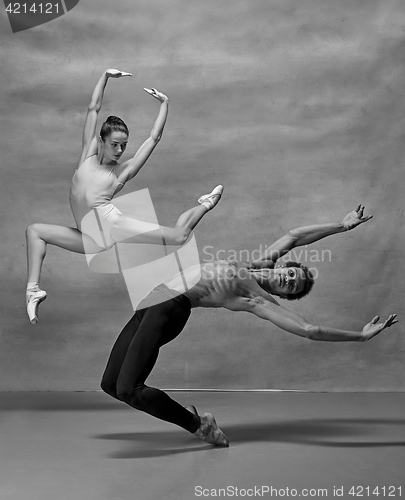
343	433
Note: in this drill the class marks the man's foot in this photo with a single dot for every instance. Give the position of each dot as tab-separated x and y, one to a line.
192	409
33	299
210	432
210	200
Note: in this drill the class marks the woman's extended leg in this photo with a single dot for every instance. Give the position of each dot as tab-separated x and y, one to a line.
129	230
38	237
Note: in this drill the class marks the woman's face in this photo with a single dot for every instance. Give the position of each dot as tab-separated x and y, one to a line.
114	145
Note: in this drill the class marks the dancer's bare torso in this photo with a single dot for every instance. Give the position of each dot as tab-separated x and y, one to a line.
227	284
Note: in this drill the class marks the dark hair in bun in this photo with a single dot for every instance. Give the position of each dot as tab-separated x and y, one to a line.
113	124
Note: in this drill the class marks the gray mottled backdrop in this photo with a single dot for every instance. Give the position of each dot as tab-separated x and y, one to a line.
296	107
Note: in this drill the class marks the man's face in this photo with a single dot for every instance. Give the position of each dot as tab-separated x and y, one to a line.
287	280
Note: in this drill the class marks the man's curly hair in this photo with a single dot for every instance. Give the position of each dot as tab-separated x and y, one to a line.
309	281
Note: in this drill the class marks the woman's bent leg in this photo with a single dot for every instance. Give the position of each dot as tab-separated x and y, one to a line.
129	230
38	237
192	217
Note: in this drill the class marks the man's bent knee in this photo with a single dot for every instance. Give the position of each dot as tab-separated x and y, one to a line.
109	388
124	394
131	396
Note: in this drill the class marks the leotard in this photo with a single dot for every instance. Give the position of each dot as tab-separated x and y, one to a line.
93	187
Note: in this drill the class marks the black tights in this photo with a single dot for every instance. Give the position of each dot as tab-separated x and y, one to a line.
135	353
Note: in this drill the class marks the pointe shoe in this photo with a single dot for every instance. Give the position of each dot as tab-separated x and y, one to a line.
33	300
210	432
210	200
192	409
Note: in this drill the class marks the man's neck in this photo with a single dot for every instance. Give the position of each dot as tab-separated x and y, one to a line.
262	277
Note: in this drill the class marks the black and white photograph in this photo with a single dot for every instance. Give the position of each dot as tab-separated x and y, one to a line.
202	238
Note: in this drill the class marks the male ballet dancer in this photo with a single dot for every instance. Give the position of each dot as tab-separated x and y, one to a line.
237	286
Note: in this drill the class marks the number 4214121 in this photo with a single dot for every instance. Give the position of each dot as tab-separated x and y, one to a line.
34	8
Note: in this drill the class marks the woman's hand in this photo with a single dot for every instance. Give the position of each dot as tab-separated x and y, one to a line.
157	95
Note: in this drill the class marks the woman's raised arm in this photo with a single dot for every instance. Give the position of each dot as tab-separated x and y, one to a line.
89	140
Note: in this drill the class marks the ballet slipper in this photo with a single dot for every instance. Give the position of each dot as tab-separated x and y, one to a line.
33	300
210	200
210	432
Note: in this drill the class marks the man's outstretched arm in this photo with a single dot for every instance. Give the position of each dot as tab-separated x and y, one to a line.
309	234
291	322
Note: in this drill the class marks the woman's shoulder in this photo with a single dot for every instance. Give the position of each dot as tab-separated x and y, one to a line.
90	161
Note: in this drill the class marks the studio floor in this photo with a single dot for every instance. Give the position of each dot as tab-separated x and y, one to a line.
87	446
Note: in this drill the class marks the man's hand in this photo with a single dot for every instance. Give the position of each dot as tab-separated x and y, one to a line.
116	73
355	218
373	328
157	95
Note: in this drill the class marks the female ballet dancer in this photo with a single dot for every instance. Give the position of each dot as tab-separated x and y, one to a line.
97	179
